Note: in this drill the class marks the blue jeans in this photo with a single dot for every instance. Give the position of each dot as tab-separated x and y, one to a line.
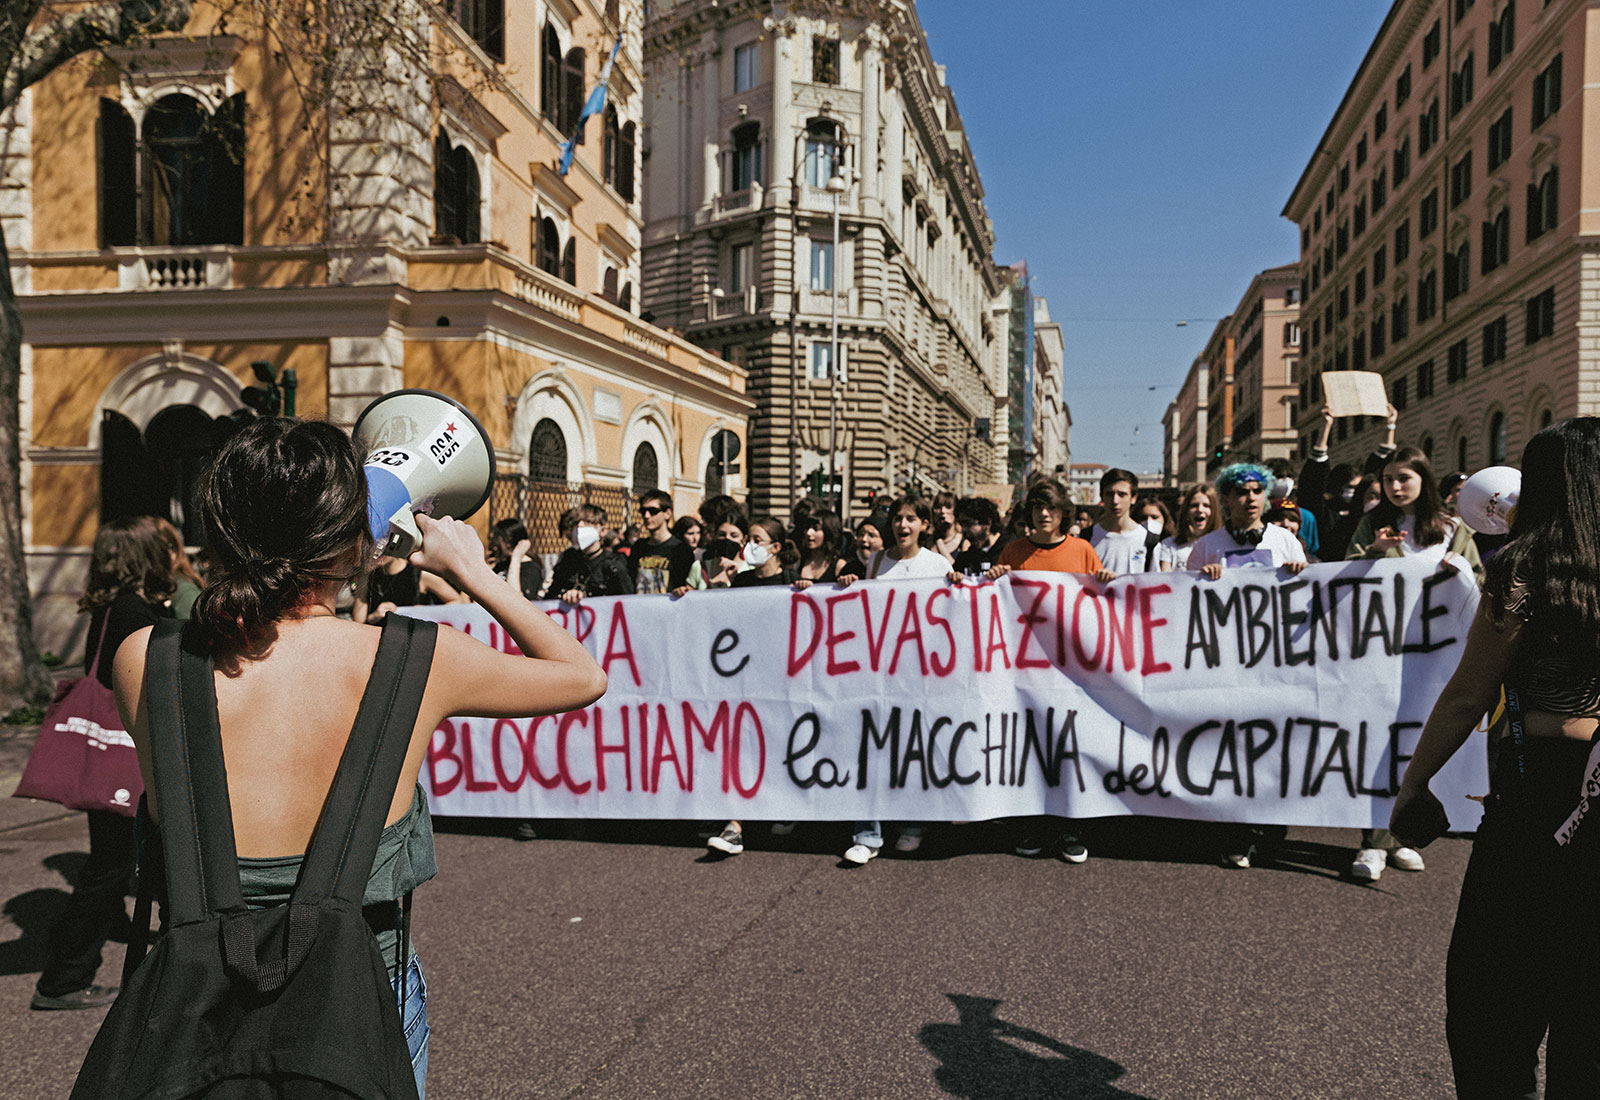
414	1019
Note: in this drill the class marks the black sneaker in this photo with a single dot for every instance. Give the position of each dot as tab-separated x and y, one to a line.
525	831
96	996
1031	846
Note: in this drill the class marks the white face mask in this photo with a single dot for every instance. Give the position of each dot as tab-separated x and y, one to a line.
1154	526
584	536
1284	488
755	554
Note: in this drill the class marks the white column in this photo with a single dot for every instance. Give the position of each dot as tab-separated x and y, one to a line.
867	155
711	121
782	178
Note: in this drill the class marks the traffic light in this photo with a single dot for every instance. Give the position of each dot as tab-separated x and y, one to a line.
267	398
872	500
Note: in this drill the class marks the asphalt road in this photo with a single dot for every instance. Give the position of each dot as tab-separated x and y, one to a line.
615	960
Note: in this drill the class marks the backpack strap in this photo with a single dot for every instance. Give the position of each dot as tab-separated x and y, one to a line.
190	780
339	861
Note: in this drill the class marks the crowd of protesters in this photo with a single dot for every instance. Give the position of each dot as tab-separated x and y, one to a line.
1251	514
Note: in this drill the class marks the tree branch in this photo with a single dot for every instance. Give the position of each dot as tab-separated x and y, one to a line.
109	23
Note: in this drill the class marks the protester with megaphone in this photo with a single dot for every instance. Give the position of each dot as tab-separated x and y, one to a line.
286	510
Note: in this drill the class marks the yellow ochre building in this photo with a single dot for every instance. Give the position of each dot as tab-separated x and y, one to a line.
178	211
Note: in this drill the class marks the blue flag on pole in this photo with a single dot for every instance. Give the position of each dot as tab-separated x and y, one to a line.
591	106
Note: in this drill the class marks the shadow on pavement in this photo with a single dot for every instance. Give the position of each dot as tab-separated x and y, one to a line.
985	1058
34	912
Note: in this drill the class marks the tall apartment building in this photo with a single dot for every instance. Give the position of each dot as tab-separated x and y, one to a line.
1447	229
1036	419
764	122
176	211
1238	401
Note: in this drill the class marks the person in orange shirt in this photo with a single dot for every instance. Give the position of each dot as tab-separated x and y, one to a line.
1048	549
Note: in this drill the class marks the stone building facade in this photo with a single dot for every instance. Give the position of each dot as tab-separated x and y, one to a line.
176	213
1448	229
751	108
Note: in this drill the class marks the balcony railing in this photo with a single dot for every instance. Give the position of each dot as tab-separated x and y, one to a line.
737	202
175	269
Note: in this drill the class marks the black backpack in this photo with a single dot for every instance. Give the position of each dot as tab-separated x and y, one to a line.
292	1000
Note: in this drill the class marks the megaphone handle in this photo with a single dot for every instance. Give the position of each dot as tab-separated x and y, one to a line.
404	535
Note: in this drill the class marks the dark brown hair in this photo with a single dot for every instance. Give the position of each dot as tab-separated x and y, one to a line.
1048	494
130	555
1186	530
1431	522
285	512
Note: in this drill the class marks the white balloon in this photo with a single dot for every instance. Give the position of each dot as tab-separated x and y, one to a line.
1488	500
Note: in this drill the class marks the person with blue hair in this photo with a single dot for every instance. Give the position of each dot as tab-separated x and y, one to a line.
1245	539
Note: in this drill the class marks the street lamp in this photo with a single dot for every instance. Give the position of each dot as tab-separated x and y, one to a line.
836	187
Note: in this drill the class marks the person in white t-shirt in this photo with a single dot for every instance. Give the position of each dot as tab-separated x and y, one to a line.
1245	538
911	524
1124	544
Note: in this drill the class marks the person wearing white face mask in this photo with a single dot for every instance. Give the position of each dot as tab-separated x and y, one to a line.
587	568
771	560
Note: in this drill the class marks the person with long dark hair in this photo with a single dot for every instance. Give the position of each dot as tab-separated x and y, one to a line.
1410	521
131	581
1524	957
285	512
510	554
819	538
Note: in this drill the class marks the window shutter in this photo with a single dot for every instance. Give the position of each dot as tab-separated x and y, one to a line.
572	93
569	261
550	76
625	159
119	195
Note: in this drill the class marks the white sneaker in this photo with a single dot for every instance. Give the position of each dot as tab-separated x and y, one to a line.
730	842
860	853
1406	859
1241	860
1368	865
908	842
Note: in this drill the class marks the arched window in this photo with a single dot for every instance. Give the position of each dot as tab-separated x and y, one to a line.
455	194
1426	446
625	299
1497	440
550	75
569	261
1545	419
547	246
625	146
608	148
190	173
547	454
714	486
646	471
1461	454
608	288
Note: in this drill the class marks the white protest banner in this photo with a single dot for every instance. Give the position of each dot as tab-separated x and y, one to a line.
1260	697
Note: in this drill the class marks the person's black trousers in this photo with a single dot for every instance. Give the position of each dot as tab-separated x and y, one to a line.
1525	956
95	908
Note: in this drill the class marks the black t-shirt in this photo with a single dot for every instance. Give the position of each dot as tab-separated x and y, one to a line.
602	574
532	576
979	559
748	579
660	566
127	614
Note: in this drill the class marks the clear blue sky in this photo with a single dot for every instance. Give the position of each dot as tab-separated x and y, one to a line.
1138	156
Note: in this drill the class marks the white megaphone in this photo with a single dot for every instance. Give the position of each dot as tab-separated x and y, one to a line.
1488	499
425	453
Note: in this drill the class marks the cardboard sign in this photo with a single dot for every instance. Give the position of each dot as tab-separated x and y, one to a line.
1355	393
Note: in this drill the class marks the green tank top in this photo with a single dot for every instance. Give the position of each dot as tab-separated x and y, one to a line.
405	860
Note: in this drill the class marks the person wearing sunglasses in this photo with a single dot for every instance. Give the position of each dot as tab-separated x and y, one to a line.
659	561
